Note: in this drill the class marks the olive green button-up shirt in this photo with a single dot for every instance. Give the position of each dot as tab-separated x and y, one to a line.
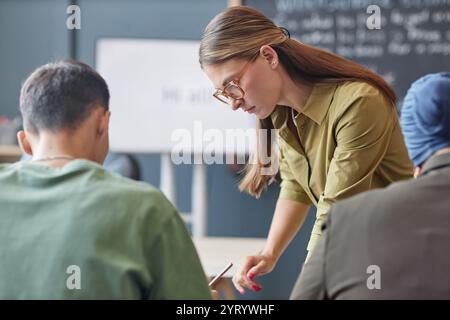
351	142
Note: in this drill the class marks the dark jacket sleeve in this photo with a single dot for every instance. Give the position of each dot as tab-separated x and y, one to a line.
311	283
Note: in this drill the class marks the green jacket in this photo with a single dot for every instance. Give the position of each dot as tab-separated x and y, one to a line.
351	142
80	232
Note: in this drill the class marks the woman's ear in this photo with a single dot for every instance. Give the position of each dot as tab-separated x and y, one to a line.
24	143
269	55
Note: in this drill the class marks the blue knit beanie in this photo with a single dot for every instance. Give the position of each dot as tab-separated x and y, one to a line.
425	116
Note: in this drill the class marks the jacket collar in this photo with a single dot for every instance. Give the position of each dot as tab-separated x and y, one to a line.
316	106
436	162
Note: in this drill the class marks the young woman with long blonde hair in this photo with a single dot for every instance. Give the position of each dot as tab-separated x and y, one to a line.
336	121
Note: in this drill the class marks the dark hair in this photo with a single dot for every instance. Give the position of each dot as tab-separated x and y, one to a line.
61	95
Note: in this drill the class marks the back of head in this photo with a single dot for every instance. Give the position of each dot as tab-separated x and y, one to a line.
61	95
425	116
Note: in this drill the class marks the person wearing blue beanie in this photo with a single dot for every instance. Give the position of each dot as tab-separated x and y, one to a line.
425	117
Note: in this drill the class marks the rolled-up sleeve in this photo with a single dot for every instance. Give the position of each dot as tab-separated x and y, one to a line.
362	134
290	188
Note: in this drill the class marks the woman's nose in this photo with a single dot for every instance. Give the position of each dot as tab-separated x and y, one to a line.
235	104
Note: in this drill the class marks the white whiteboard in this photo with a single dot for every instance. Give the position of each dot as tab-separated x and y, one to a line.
157	87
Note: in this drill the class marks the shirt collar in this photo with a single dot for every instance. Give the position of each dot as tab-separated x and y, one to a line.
436	162
316	106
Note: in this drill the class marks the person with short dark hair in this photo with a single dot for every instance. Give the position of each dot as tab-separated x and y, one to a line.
393	243
69	229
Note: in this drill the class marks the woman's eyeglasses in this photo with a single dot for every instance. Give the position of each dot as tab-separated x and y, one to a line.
232	90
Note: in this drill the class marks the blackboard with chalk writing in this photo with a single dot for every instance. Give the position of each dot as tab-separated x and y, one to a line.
411	40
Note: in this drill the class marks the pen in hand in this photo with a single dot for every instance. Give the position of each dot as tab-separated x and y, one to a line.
220	275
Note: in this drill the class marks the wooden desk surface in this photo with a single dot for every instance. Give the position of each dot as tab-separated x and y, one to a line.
217	252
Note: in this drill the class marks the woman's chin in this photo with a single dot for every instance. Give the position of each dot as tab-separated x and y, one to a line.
261	115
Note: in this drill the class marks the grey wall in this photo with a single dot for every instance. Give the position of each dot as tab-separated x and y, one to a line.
31	33
34	32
